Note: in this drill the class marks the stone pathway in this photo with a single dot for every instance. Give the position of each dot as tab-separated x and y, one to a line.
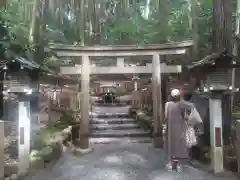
120	162
121	158
113	124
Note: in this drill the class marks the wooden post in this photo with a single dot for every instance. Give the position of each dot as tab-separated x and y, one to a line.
49	107
84	125
2	136
238	144
79	100
72	99
157	102
135	81
79	96
58	99
216	138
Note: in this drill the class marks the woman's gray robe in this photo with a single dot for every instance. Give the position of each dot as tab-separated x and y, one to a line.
176	130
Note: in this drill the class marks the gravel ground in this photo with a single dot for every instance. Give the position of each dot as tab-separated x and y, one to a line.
125	161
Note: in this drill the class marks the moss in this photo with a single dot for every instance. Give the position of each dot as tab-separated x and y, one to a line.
236	113
144	120
12	149
52	131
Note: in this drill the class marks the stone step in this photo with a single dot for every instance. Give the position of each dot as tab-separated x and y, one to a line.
112	121
121	133
110	115
97	140
109	104
114	126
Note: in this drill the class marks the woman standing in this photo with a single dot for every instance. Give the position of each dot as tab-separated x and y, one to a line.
176	130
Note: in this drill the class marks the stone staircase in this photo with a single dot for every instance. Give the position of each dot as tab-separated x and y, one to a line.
116	128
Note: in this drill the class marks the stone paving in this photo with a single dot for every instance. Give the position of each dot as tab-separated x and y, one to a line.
119	162
122	160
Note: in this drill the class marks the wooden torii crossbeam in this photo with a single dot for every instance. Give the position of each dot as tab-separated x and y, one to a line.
121	51
121	69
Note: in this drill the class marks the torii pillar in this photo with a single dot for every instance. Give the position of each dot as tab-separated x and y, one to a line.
157	102
84	123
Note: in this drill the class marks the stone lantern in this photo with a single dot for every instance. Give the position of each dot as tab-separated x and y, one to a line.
213	78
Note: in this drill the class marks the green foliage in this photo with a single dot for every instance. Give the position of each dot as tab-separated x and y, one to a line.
66	120
16	25
117	25
205	26
144	120
37	143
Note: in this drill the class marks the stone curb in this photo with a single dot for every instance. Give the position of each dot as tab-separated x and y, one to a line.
47	158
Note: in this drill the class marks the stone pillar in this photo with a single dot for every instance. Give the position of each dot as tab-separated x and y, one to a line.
120	61
157	102
84	125
216	137
24	136
2	149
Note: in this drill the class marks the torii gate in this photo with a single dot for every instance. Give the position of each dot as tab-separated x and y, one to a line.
156	68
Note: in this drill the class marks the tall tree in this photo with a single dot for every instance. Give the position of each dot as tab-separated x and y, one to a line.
222	39
2	7
194	23
36	30
3	4
222	25
163	19
80	16
235	49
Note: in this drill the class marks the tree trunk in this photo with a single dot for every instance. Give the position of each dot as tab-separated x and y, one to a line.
80	13
222	37
35	25
3	4
222	25
37	42
164	15
235	48
194	23
36	30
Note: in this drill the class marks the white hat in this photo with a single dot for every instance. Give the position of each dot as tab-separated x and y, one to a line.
175	92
